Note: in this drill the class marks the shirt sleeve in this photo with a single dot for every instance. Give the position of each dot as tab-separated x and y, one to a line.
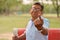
46	23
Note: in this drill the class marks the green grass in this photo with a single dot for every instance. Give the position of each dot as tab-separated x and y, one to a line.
7	23
3	39
54	22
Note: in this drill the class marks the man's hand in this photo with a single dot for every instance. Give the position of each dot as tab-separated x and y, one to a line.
16	38
21	37
38	23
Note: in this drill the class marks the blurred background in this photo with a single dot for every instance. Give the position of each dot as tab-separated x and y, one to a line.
15	14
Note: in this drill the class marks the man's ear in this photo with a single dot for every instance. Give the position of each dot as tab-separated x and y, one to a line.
31	11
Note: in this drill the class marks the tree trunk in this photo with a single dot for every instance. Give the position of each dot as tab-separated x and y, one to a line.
57	9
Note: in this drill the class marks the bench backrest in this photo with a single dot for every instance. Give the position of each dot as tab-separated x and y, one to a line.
53	34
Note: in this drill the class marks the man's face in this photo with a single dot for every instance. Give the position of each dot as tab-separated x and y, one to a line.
35	11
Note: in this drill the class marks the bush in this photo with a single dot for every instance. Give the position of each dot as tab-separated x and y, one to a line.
49	9
25	8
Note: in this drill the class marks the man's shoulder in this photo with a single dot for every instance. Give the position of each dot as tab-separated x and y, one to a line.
30	21
46	22
45	19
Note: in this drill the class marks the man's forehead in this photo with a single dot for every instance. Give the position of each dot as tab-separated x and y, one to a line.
36	6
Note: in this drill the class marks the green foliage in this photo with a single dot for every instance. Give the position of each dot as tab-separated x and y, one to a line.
35	0
49	8
8	4
25	8
56	6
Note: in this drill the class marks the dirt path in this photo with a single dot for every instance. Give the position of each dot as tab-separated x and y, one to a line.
6	36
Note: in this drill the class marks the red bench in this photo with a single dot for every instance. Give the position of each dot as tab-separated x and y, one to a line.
53	34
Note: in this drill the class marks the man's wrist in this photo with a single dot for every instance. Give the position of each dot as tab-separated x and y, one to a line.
39	27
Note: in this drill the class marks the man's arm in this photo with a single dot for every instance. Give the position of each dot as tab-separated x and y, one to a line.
39	25
21	37
44	31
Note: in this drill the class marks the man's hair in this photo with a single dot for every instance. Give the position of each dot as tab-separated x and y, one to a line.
38	3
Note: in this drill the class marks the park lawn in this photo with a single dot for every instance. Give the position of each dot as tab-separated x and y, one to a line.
3	39
7	23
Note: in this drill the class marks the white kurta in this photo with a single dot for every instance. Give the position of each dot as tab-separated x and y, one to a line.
32	32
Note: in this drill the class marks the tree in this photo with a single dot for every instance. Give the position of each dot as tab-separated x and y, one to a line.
35	0
6	5
56	6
